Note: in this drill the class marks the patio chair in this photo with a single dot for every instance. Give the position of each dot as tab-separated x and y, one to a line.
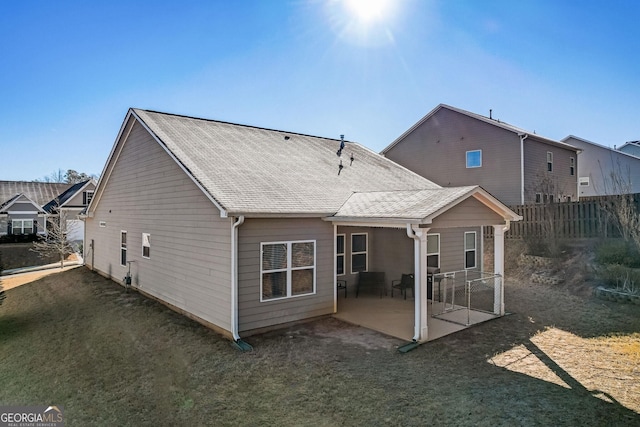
407	281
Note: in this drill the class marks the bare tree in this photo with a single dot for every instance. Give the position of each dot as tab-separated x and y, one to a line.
622	205
56	243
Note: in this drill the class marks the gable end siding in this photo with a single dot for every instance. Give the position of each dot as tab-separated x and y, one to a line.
437	150
190	262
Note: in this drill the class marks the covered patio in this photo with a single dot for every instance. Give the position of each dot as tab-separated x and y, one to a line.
395	234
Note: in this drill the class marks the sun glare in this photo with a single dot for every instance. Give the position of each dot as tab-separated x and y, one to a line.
368	10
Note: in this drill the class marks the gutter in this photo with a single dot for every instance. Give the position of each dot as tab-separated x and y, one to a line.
522	136
416	254
237	341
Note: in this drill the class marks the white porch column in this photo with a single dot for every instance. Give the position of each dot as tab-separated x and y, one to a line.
498	267
420	277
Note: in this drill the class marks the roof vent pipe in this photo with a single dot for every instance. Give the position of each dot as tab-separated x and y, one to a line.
490	113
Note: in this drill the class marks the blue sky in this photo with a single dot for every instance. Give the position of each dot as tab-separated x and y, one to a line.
69	71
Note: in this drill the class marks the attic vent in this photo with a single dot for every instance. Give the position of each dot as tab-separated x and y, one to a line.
339	152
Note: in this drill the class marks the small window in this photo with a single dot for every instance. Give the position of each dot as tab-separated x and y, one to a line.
146	245
288	269
340	254
433	250
538	198
470	249
584	181
359	255
86	197
572	166
549	161
474	159
123	248
103	224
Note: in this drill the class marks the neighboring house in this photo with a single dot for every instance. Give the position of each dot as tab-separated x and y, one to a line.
605	171
455	147
25	206
244	228
631	147
21	206
71	204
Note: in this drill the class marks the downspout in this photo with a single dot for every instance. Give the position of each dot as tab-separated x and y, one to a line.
237	341
522	136
416	267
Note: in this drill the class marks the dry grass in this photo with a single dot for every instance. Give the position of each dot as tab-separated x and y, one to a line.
114	358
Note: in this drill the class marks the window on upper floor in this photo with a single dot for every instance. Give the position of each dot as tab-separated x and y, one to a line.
474	159
549	161
584	181
86	197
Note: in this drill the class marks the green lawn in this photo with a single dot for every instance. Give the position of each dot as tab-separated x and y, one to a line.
113	358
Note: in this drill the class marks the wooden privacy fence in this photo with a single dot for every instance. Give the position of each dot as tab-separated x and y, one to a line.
567	220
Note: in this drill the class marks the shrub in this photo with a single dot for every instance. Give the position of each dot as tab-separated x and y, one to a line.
618	252
620	278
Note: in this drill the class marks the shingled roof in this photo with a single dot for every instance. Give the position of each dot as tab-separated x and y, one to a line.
247	170
254	170
40	192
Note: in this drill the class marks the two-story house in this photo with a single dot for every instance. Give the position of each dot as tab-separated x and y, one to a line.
454	147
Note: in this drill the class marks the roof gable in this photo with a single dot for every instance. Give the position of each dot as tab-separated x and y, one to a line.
62	199
250	170
19	199
39	192
490	121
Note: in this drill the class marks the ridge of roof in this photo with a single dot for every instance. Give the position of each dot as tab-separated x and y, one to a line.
495	122
249	169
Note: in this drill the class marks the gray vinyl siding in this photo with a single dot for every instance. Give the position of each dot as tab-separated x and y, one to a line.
190	257
598	163
392	251
437	150
77	199
535	172
254	314
466	213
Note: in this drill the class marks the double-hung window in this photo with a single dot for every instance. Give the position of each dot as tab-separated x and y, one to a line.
22	226
549	161
86	197
470	249
123	248
340	254
433	250
146	245
287	269
359	253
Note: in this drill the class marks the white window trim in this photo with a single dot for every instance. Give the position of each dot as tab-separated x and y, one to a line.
475	249
289	269
123	247
439	244
467	159
584	181
549	161
22	227
343	254
366	252
146	243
